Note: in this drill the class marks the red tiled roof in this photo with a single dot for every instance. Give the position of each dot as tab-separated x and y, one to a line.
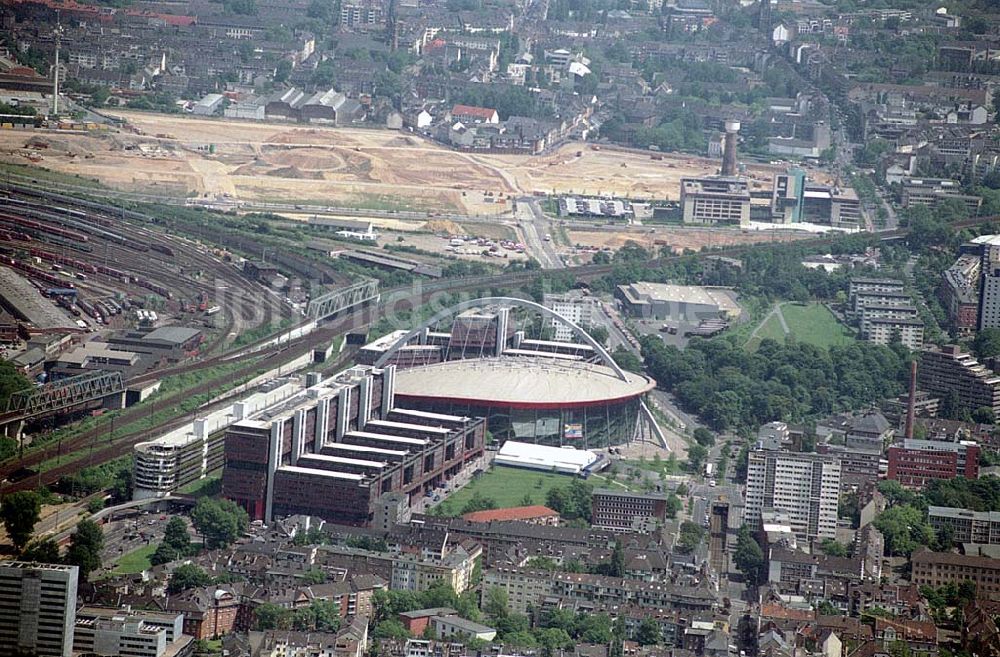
468	110
513	513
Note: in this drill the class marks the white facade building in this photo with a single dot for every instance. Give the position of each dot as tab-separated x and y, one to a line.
579	310
804	487
37	609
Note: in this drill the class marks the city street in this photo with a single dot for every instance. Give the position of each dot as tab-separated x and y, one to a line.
532	228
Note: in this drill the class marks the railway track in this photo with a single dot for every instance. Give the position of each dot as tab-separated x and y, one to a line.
395	298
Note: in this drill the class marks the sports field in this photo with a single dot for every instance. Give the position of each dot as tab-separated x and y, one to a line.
507	487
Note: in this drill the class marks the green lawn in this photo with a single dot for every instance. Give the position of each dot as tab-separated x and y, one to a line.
810	323
135	562
507	487
211	484
815	324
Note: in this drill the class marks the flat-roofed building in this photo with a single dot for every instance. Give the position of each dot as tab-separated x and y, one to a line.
916	462
37	609
715	200
130	633
805	487
949	370
960	293
966	526
939	569
933	191
625	511
688	303
886	330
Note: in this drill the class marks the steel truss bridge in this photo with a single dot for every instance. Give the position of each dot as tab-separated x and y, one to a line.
342	299
61	395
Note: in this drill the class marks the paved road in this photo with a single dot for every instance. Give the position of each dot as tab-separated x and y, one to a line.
533	227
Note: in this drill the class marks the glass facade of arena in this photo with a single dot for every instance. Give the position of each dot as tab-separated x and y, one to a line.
590	427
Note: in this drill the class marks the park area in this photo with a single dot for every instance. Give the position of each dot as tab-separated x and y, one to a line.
807	323
505	487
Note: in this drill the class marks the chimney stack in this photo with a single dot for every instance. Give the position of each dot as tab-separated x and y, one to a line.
911	406
729	148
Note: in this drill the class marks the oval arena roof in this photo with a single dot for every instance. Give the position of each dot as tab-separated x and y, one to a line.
520	382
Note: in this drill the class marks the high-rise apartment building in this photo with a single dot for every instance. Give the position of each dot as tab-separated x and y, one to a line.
989	288
37	609
577	309
805	487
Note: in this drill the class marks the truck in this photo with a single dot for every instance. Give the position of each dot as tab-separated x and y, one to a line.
709	470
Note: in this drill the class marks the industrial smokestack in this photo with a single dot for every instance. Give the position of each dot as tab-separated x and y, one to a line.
911	406
729	148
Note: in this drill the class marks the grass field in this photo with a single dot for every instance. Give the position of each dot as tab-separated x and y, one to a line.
507	487
809	323
135	562
815	324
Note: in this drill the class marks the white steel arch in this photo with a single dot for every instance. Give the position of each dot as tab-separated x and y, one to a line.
606	358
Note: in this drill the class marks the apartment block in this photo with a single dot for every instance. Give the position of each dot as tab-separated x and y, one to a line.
857	466
37	609
804	487
874	311
715	200
989	288
625	511
578	309
950	370
916	462
942	568
860	286
967	526
886	330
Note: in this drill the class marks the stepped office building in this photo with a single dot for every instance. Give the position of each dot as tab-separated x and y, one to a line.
340	449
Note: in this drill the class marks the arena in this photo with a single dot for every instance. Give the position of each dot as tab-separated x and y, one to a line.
548	393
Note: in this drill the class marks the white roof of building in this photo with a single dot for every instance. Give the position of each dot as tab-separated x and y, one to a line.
990	240
528	454
520	381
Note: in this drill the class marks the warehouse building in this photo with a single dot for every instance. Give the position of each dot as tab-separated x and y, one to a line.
686	303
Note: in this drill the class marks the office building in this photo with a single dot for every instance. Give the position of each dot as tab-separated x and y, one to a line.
857	466
336	447
625	511
795	199
989	288
582	311
715	200
37	609
949	371
966	526
915	462
805	487
112	632
932	191
938	569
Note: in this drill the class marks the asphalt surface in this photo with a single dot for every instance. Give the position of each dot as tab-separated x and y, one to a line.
533	226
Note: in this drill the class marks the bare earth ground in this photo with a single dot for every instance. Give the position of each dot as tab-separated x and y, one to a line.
676	237
380	169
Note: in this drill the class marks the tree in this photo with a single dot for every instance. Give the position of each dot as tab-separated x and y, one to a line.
749	557
904	528
987	343
495	602
85	547
391	629
20	512
326	615
176	536
269	616
314	576
704	437
599	333
696	456
164	554
833	548
187	576
691	535
626	359
220	522
479	502
648	633
44	551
